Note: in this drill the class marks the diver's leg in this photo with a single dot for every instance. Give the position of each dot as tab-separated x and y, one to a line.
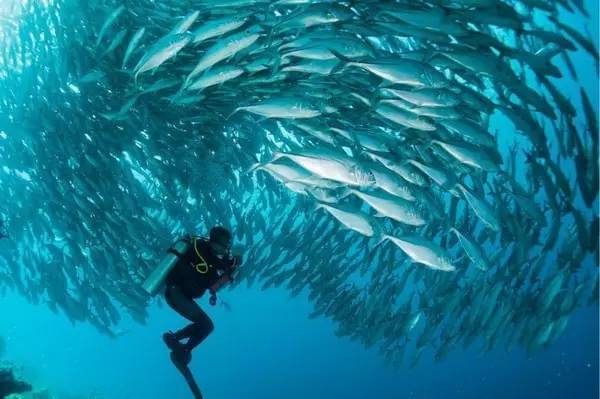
201	325
186	307
185	332
201	329
181	304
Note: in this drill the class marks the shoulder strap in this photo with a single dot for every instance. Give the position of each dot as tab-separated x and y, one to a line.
195	245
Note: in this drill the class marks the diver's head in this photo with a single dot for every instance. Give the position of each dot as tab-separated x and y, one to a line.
220	241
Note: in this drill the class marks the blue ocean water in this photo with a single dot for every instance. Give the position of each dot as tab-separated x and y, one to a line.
266	347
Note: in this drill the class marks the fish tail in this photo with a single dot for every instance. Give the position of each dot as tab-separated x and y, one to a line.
180	91
269	35
351	5
275	67
187	80
344	61
428	145
374	100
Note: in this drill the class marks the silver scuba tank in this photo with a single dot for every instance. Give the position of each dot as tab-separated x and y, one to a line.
158	275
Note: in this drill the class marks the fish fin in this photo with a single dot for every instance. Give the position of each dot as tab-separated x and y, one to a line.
379	230
374	101
261	120
253	167
269	35
454	230
272	52
340	56
460	259
351	5
188	80
246	70
382	239
290	50
277	155
276	66
341	65
106	116
461	187
385	84
234	112
346	192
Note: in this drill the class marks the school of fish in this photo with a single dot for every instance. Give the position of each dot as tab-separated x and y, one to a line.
413	168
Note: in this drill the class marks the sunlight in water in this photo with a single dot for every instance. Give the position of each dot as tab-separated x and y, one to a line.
11	12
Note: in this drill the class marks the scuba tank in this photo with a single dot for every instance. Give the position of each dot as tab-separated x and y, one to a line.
158	275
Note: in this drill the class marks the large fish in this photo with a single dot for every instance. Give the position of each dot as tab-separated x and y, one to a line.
423	251
223	49
395	208
284	107
353	220
185	23
163	50
133	43
217	27
401	71
472	250
482	209
332	166
108	22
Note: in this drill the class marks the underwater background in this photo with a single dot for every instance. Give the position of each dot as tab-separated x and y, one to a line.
265	345
289	357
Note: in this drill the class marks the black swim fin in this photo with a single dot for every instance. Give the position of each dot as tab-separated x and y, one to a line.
181	365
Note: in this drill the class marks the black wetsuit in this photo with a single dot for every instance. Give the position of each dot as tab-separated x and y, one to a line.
197	271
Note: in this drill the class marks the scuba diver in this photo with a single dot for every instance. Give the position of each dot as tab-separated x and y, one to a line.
204	264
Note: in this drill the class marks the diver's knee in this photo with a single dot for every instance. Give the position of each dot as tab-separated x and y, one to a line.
203	327
210	326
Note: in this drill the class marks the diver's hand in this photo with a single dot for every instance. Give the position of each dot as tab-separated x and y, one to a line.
237	260
213	299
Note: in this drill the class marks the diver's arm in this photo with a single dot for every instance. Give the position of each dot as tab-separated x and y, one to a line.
232	262
223	279
226	277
